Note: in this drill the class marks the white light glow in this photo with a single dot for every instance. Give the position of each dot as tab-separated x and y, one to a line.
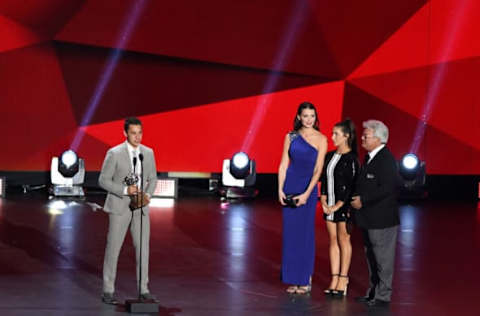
162	203
2	186
69	158
410	161
57	204
240	160
53	211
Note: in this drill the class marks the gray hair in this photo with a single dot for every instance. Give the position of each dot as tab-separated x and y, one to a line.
380	130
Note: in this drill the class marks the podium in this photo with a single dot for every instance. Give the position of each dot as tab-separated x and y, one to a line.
141	306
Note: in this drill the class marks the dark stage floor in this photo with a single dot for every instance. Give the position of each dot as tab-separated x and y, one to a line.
213	258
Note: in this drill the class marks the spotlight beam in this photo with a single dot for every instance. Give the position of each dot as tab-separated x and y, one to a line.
124	36
279	62
438	73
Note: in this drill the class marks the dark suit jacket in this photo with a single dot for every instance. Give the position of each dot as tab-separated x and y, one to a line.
377	186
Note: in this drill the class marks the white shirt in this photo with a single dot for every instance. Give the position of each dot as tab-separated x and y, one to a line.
374	152
133	152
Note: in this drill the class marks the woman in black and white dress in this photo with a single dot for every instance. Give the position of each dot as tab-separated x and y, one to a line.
338	178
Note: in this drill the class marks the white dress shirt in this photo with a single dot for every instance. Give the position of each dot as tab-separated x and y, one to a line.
374	152
133	152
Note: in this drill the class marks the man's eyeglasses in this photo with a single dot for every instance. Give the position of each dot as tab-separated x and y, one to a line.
367	136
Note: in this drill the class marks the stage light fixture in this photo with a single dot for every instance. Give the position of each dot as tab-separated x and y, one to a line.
3	183
410	161
411	167
67	174
69	164
239	165
413	176
238	176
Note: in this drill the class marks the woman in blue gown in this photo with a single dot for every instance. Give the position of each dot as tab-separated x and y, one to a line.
300	168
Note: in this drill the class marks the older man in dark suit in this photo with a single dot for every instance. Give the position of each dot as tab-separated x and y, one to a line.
377	212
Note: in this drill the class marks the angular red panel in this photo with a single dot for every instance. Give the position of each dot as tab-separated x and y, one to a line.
406	48
361	106
164	84
454	26
14	35
441	92
443	30
245	33
436	148
353	29
208	134
325	38
448	155
44	18
35	105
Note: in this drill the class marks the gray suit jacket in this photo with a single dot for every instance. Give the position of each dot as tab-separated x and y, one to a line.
115	168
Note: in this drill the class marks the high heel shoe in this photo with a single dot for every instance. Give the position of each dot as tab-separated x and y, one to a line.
341	293
292	289
304	289
330	291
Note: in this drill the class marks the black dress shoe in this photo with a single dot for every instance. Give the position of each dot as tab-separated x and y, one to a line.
148	296
377	303
362	299
109	298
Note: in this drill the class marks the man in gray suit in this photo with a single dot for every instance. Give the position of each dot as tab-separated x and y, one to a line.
122	161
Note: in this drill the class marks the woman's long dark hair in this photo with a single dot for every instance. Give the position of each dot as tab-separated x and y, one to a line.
348	128
297	124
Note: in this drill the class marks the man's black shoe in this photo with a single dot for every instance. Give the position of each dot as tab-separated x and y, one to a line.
148	297
362	299
377	303
109	298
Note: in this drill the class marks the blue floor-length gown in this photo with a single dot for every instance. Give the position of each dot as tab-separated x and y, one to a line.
298	250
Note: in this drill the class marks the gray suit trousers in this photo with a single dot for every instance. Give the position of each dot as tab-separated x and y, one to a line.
380	245
117	229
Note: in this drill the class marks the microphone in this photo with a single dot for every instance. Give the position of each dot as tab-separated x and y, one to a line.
132	177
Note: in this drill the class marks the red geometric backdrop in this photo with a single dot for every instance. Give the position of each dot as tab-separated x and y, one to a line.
211	78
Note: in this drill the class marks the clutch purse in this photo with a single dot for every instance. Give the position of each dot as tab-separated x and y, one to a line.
290	200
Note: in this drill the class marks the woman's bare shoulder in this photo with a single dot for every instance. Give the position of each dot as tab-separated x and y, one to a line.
319	139
319	136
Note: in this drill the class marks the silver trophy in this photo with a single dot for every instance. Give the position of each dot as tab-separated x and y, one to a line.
136	200
131	179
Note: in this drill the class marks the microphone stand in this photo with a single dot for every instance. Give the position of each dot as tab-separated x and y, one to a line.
141	228
141	305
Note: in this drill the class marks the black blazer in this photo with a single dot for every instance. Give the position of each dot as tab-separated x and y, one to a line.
377	186
345	173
